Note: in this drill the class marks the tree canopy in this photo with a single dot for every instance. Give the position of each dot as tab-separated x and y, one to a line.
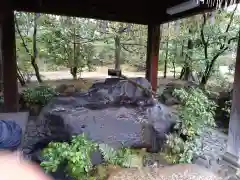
195	44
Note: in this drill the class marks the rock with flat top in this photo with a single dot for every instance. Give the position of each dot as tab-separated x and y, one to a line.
113	112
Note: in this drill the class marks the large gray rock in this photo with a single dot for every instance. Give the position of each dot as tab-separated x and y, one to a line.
112	112
119	89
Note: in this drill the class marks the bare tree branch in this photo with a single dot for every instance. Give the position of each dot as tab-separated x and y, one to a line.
204	42
231	18
126	49
134	44
36	16
23	41
87	40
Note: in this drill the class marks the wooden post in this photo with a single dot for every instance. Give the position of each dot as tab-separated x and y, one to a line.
8	55
152	55
233	147
1	68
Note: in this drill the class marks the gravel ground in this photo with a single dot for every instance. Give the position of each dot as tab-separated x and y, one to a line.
214	146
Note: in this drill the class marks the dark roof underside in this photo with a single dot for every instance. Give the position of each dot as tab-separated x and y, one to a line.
132	11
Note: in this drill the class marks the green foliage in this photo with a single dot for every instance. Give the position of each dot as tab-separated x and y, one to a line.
180	151
69	47
83	43
76	155
196	114
213	36
120	157
219	82
40	95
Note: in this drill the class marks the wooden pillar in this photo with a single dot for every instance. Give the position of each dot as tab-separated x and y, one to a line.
152	55
233	147
8	56
1	68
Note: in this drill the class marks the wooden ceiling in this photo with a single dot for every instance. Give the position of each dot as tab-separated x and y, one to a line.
132	11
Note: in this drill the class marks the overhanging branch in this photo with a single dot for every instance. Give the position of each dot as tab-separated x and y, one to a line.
231	18
126	49
23	41
134	44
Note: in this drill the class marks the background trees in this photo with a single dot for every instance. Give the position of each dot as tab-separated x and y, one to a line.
191	49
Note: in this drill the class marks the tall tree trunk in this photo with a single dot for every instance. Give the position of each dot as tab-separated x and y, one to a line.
74	68
166	61
182	51
174	60
117	52
34	57
20	77
174	70
73	71
208	72
186	73
166	57
183	56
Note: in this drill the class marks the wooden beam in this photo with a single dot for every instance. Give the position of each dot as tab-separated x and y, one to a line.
153	55
104	10
233	147
134	12
8	54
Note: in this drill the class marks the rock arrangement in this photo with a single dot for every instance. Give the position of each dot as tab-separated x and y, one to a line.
214	140
114	112
119	114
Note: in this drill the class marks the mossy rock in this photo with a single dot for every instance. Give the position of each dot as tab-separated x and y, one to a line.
83	84
75	86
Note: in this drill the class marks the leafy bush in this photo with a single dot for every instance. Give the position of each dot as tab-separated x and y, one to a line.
40	95
120	157
76	155
180	151
196	113
219	82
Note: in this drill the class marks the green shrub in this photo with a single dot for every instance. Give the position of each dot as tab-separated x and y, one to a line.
196	113
77	156
40	95
121	157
